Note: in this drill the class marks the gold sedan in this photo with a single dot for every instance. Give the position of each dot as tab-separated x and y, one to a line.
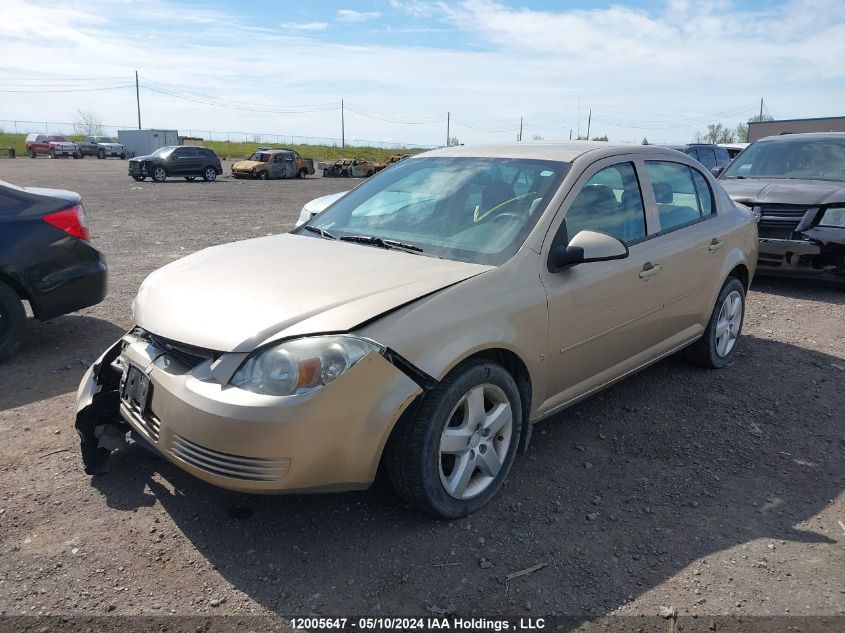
426	320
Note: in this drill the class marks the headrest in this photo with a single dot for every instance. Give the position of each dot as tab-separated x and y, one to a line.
663	193
495	193
596	196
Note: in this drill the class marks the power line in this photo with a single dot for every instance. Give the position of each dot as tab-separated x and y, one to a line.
70	90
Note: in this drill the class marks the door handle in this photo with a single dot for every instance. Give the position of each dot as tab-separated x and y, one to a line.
715	245
649	270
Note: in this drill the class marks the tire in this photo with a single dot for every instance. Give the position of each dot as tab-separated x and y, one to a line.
52	153
325	172
713	350
12	321
369	173
101	154
123	157
159	174
303	173
209	174
30	153
139	178
428	477
77	155
263	175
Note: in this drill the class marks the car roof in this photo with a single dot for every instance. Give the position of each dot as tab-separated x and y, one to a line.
565	151
806	136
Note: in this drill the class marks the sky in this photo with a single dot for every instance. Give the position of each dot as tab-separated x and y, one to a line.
656	69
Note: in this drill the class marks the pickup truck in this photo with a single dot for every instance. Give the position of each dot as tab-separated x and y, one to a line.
54	145
101	147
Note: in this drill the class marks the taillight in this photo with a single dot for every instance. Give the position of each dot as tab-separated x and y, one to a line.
72	221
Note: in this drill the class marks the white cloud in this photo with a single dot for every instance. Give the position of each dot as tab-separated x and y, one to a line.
662	74
304	26
354	17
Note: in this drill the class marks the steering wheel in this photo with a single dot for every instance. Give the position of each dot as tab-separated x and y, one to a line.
507	214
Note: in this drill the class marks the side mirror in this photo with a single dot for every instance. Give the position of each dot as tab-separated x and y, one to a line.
717	171
586	246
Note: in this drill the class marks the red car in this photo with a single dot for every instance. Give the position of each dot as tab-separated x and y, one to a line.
53	145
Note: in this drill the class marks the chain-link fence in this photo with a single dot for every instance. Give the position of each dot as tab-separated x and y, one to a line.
259	138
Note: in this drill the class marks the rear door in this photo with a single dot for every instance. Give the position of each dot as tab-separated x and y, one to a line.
604	317
690	237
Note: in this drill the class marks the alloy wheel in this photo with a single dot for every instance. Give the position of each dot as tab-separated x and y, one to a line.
475	441
728	324
210	174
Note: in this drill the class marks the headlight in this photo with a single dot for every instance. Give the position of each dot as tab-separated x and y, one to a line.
301	365
834	217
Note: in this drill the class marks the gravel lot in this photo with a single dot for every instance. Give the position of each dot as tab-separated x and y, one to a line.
713	492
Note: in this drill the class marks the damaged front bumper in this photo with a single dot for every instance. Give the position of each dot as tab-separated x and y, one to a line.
330	439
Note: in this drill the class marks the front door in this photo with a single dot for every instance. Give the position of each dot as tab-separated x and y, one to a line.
604	317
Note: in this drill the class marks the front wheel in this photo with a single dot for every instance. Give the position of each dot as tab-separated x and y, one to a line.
263	175
209	174
715	349
123	157
159	174
452	456
101	154
77	155
12	321
30	153
52	153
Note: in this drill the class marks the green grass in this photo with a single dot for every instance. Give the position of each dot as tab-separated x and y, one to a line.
227	149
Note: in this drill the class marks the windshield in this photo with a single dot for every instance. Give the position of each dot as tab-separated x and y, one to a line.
475	210
816	159
57	138
103	139
260	157
163	151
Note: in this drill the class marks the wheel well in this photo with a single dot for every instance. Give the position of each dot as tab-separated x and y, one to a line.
741	273
15	286
514	366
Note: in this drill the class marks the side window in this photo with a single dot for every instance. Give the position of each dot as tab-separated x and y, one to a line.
693	153
678	199
702	189
722	157
610	202
706	157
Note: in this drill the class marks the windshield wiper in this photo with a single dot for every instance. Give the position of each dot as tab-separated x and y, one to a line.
321	232
381	242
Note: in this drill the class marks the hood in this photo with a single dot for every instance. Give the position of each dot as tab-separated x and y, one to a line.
752	191
247	165
237	296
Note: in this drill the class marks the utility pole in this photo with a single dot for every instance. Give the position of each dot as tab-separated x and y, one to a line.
342	127
589	119
448	123
138	99
520	128
761	109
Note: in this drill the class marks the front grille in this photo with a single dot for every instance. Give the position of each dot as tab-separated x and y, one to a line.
148	423
187	355
226	465
778	222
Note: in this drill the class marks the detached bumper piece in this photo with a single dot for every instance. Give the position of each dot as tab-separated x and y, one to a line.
98	423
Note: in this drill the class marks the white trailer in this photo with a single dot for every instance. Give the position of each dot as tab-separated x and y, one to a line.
145	142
